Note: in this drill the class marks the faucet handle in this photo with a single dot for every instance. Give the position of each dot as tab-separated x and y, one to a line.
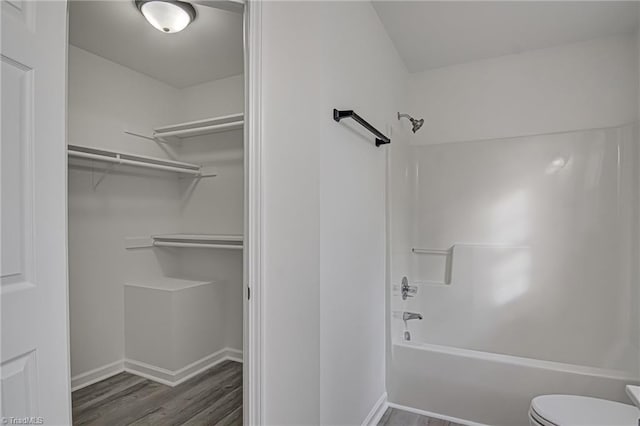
407	290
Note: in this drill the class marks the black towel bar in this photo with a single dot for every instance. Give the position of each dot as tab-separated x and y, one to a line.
340	114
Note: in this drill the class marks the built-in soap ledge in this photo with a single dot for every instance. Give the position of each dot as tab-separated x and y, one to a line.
431	266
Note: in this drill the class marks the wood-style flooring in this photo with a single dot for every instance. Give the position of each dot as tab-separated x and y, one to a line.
394	417
213	397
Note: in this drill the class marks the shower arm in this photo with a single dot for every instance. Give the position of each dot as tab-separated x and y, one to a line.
415	124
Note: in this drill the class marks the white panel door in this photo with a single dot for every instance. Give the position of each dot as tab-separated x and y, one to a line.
34	342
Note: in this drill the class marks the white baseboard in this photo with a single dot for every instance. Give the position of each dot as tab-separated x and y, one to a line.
377	411
151	372
434	415
234	355
97	374
175	377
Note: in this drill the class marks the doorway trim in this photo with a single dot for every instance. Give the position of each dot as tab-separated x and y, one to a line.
253	247
253	212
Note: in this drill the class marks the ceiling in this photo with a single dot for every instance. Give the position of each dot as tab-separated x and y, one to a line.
209	49
430	35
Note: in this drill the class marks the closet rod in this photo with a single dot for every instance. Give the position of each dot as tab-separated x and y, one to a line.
119	160
197	245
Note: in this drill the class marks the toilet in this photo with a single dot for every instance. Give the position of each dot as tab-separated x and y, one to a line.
573	410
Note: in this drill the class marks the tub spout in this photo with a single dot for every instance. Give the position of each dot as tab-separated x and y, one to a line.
406	316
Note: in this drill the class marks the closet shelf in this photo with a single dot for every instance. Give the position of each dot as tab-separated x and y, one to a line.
168	284
200	127
233	242
441	252
136	160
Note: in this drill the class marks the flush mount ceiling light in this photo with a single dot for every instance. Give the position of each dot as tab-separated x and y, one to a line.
166	15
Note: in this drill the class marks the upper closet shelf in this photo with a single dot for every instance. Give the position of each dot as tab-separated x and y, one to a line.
199	241
136	160
201	127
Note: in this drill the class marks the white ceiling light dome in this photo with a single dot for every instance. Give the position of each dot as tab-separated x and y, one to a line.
166	15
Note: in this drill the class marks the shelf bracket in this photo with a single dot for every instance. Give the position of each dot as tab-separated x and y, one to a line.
151	138
104	173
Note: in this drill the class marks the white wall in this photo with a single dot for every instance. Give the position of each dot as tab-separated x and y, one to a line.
217	97
579	86
104	100
325	209
291	168
215	205
222	153
352	208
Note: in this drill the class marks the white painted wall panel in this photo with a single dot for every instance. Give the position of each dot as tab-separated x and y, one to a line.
217	97
325	209
291	149
360	71
580	86
104	100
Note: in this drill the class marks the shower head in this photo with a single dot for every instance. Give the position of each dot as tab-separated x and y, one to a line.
415	124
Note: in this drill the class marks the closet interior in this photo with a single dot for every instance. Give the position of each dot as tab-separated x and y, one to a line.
155	211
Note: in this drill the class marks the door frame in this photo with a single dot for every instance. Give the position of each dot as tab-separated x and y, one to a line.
253	212
253	235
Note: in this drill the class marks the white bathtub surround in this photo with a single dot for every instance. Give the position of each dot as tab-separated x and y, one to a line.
515	294
524	194
545	239
489	388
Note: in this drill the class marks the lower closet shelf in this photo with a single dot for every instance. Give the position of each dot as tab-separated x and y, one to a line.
199	241
172	324
168	284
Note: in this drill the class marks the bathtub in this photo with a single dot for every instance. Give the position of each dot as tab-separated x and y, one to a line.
525	274
480	388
